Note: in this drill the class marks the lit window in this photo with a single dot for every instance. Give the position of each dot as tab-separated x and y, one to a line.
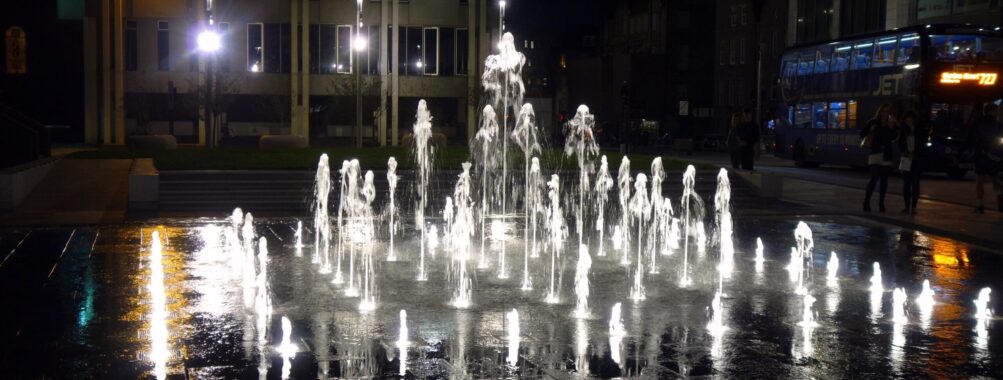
255	49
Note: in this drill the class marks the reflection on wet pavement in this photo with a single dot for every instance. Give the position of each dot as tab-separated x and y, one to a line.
168	301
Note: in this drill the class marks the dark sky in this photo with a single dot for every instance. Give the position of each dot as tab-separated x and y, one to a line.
550	14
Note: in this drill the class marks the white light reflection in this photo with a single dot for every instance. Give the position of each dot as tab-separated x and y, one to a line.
158	311
899	319
832	268
616	333
287	349
402	342
513	337
982	315
877	293
807	325
925	302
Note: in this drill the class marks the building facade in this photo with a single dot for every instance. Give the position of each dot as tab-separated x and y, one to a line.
285	67
656	67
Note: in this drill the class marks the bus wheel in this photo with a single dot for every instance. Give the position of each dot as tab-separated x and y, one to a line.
956	173
800	158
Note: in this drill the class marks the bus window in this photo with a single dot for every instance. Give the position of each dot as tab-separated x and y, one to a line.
961	47
841	58
790	68
851	114
862	56
805	65
822	57
802	116
884	52
818	115
837	115
908	51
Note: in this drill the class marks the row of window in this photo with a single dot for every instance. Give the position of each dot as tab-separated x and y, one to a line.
824	115
856	55
422	50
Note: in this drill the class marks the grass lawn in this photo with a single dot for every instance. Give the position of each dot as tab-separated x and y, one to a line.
369	158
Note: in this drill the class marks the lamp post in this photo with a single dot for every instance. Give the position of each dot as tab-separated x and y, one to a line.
209	42
360	45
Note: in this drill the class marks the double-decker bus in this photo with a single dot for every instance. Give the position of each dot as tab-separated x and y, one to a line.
942	72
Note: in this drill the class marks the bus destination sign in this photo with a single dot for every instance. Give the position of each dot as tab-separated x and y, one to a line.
979	78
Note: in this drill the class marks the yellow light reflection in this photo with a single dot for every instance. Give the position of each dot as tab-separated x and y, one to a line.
949	274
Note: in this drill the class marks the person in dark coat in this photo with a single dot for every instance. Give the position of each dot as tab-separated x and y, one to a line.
748	140
733	144
911	143
880	134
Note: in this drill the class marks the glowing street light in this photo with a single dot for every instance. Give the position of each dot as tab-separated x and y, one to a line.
209	41
360	43
501	4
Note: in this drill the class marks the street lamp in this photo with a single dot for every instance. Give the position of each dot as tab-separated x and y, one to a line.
360	45
209	42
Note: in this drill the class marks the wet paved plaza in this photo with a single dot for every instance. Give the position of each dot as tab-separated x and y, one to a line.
94	302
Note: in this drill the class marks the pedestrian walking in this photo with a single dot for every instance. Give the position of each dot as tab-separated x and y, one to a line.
748	140
733	144
911	140
878	136
987	142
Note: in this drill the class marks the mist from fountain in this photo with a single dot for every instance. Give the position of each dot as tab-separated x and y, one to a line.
582	282
622	239
321	218
424	154
725	224
640	208
392	206
604	182
462	232
581	143
556	227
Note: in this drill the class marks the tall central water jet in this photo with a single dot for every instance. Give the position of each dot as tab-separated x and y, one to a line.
512	318
368	301
502	79
640	207
342	208
321	222
402	343
582	281
462	231
623	183
581	143
555	224
661	216
526	137
722	202
392	206
616	332
604	182
692	209
424	155
485	141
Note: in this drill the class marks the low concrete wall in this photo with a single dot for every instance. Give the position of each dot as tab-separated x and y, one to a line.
144	185
17	181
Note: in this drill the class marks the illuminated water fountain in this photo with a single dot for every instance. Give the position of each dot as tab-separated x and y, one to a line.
581	143
555	225
424	154
603	184
462	231
392	206
640	207
321	221
621	235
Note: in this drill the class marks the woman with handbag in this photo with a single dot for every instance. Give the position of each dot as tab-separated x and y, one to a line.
878	135
911	140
